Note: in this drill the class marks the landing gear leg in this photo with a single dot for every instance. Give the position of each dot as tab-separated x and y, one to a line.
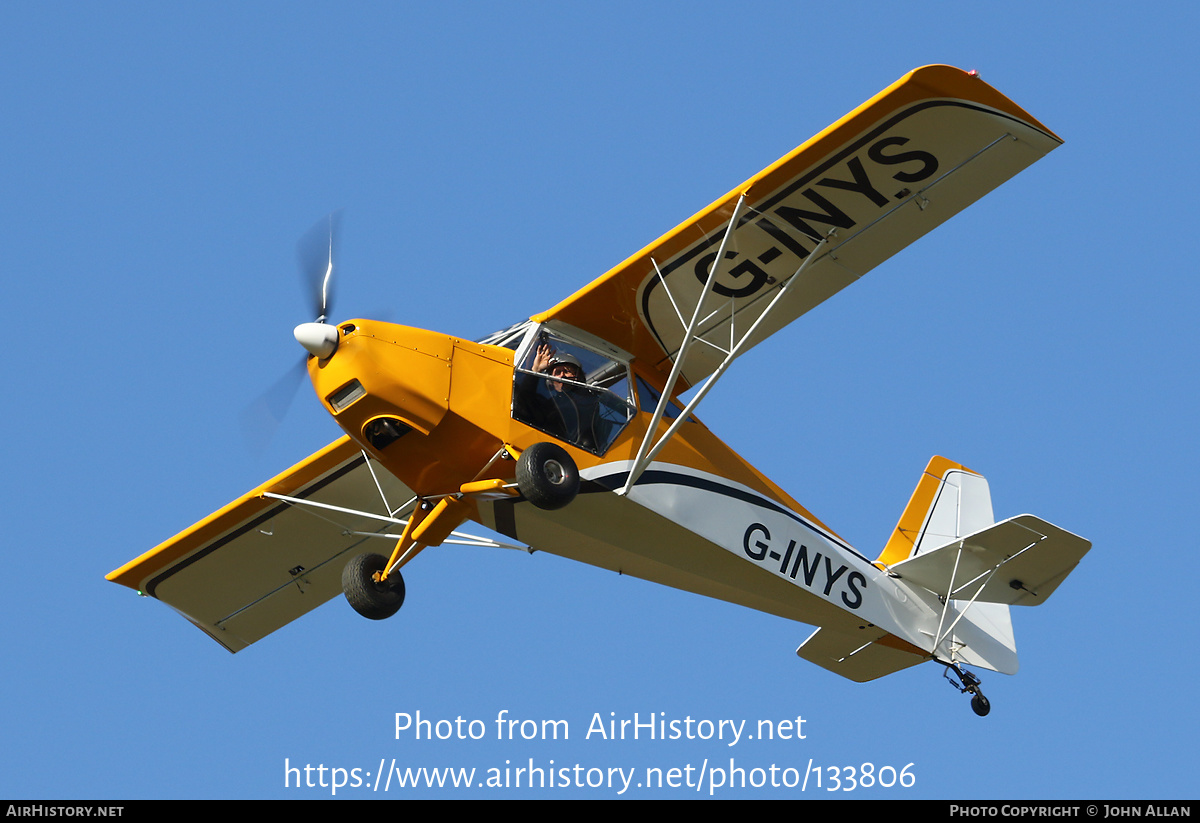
970	683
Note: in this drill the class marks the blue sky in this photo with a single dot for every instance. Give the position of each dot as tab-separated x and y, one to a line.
161	160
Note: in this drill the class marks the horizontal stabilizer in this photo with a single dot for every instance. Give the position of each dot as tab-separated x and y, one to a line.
1018	562
858	658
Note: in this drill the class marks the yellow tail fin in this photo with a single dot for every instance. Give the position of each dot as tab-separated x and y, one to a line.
950	501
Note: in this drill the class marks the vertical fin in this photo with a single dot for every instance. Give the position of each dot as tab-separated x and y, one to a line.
950	501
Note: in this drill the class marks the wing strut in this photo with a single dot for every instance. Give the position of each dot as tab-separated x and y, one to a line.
461	538
642	460
986	578
379	487
646	452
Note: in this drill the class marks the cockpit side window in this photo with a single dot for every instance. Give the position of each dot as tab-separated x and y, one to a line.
572	392
648	398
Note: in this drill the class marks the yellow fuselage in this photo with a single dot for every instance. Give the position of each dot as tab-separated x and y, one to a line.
456	395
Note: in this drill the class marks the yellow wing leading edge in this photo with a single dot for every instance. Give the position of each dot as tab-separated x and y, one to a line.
890	171
259	563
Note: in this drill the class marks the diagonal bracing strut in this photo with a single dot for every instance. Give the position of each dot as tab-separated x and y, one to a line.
647	452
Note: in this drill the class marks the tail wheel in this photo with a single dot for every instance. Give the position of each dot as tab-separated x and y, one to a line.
547	476
970	683
367	596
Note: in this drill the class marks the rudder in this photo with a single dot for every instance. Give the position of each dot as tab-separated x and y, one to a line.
950	501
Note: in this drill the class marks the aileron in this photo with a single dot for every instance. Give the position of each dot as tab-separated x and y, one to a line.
258	563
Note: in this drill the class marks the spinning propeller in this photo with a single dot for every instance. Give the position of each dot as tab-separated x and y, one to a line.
315	253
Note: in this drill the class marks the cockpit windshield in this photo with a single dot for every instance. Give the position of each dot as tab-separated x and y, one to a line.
572	392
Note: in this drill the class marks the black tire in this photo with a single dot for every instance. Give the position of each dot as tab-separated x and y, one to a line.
547	476
980	705
377	601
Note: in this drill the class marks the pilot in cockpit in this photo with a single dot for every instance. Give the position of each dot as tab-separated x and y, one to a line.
562	407
547	361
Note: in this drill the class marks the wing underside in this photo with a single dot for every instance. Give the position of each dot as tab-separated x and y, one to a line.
260	563
892	170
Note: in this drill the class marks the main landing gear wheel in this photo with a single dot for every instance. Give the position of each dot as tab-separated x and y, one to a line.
980	705
547	476
366	594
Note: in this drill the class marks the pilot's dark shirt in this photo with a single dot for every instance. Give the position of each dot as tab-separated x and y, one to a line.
572	414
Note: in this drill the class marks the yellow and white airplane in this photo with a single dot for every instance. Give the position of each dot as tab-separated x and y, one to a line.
566	433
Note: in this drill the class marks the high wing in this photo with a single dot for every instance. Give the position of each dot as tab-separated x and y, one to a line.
261	562
893	169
